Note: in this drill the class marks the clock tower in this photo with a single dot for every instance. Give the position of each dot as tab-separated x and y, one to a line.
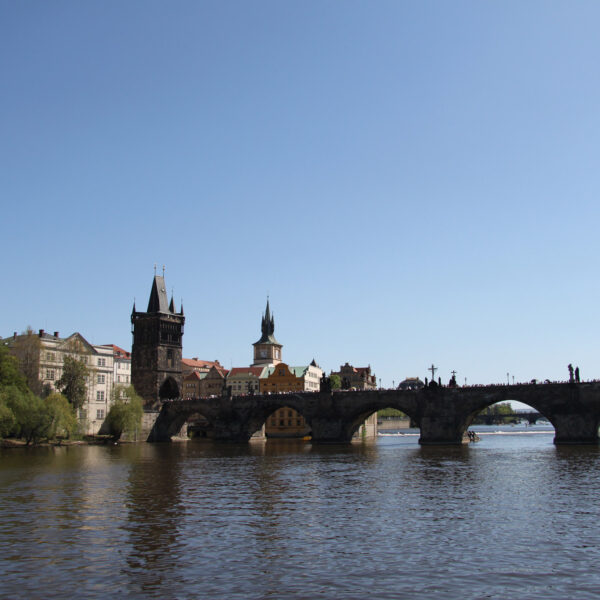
267	351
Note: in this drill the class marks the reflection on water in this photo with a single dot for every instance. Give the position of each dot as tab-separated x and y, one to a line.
511	516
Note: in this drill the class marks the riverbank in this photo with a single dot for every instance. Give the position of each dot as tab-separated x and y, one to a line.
97	441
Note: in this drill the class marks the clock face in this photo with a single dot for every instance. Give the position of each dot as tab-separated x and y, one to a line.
263	354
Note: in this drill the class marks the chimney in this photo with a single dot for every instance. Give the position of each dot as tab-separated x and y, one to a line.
56	334
41	334
15	335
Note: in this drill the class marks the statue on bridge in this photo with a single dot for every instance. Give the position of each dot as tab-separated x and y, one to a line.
325	383
571	379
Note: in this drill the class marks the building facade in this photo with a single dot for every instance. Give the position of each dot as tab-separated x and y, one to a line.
213	383
245	380
45	354
358	378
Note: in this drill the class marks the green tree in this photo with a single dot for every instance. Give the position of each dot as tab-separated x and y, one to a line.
125	414
62	416
10	375
27	349
32	417
7	420
390	412
335	381
72	381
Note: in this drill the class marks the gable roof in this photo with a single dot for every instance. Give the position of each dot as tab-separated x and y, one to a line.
256	371
119	352
195	375
195	363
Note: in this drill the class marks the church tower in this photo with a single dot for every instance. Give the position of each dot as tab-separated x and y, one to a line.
157	347
267	351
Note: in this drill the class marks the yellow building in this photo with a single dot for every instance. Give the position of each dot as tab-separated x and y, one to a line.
281	378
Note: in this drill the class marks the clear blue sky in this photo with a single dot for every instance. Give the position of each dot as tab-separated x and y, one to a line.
410	182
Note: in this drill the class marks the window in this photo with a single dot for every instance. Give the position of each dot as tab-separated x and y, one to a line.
101	378
49	355
50	374
100	413
99	396
170	358
118	378
101	362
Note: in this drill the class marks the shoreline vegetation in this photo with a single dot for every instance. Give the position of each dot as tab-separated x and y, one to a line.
98	440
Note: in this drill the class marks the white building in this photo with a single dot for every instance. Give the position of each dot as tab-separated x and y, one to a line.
47	353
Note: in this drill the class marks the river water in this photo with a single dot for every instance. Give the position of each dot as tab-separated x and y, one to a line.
511	516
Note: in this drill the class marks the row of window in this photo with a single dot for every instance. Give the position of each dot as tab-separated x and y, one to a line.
282	422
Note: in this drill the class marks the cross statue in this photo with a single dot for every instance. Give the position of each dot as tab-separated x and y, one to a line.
433	370
453	373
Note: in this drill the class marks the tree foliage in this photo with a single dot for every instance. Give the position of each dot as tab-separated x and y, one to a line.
62	416
31	415
496	414
391	412
27	348
10	375
335	381
125	414
72	382
7	419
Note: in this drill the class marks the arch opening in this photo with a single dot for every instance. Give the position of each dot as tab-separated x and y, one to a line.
169	389
510	416
285	422
381	420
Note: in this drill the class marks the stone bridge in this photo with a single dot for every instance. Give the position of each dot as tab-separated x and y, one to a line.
443	414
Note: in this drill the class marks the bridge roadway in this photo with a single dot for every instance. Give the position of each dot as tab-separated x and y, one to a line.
443	414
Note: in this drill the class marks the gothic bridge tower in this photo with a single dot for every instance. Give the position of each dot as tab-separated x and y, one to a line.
267	351
156	351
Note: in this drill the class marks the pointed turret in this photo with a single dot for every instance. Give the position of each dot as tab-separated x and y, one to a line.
267	351
172	305
158	296
267	327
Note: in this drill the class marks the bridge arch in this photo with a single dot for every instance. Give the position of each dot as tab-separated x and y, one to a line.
169	389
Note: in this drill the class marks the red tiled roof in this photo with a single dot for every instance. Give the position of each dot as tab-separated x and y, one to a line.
119	352
256	371
194	375
194	362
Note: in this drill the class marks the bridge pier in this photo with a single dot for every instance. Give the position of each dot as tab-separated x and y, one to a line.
441	431
329	430
575	428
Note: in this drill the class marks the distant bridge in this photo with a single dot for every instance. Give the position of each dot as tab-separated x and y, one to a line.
443	414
